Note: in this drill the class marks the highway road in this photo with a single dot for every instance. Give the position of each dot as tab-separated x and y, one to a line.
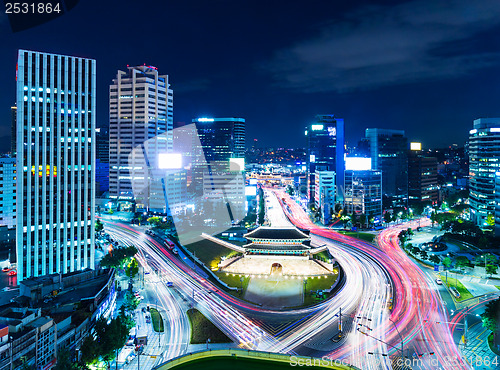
386	298
417	307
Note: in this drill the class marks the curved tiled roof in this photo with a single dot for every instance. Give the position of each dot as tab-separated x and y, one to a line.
283	233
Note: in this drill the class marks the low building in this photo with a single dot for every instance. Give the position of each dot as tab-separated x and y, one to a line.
32	338
324	194
497	203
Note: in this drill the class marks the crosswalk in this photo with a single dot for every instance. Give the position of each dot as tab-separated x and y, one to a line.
479	355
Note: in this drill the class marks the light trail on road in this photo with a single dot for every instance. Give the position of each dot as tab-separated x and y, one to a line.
415	300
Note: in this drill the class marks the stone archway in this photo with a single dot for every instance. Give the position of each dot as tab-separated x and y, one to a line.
276	269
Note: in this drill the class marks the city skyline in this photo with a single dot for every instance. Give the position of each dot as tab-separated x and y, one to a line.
139	232
420	81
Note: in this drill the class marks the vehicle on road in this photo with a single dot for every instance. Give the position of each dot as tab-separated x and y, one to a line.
439	282
170	284
175	251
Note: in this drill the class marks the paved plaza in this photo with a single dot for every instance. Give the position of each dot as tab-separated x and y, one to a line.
275	292
260	265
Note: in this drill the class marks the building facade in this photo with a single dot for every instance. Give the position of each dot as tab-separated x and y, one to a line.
422	178
363	192
325	151
140	112
497	203
8	175
55	163
388	150
324	194
484	162
13	130
221	138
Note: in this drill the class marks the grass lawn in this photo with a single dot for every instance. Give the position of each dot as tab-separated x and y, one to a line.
497	286
157	320
367	237
210	253
234	281
321	283
464	293
230	363
203	329
492	347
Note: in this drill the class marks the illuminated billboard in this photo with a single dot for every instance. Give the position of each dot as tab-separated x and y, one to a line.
236	164
251	191
416	146
168	161
358	163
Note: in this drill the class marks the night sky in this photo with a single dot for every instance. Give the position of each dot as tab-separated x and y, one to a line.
428	67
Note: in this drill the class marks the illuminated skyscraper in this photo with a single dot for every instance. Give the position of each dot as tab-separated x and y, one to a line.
325	151
55	163
388	150
141	109
484	162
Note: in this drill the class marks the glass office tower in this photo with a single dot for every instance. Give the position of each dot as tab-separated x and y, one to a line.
55	163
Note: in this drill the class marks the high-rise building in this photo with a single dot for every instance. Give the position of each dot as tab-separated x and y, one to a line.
497	203
102	160
325	151
422	177
388	150
484	162
140	111
221	138
221	146
363	192
13	128
102	144
324	195
218	165
55	163
8	192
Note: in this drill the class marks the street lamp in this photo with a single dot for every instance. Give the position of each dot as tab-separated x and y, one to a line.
400	337
485	275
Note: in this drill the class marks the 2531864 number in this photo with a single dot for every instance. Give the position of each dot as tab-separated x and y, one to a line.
32	8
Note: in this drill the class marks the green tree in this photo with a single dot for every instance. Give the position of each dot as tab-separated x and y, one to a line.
65	361
362	219
414	250
490	316
447	262
387	217
433	218
110	337
132	268
402	236
491	269
435	259
354	218
409	232
99	226
490	220
423	254
89	350
118	256
131	301
462	261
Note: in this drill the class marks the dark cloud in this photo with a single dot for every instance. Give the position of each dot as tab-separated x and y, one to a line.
385	45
